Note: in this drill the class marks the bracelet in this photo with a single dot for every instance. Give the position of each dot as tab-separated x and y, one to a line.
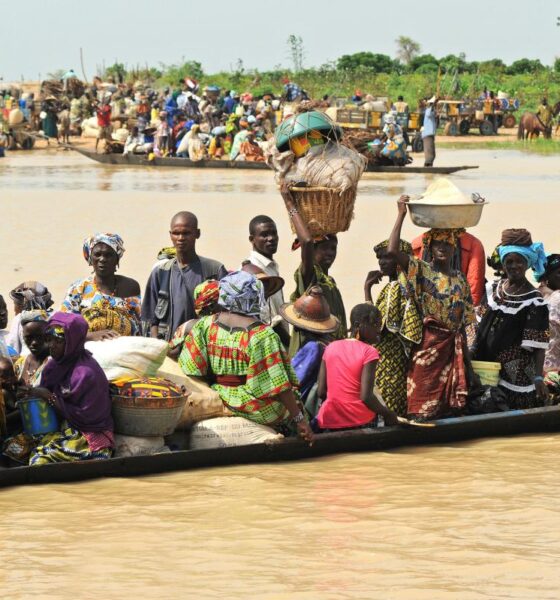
538	378
298	418
293	211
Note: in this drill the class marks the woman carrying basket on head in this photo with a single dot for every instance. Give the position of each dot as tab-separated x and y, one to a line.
317	257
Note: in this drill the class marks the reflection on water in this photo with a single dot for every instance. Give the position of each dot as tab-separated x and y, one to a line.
476	521
473	521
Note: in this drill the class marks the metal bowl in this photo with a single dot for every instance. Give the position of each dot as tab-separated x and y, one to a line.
442	216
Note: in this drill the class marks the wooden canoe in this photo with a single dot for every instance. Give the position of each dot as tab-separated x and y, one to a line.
141	160
448	431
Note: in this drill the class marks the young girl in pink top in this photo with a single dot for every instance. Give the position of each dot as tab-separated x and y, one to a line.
347	376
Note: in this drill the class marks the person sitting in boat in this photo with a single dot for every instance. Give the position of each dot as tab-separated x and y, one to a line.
514	330
312	319
205	297
347	376
196	148
243	358
110	303
136	143
317	257
437	379
550	289
394	148
74	384
250	150
29	368
401	327
469	258
28	295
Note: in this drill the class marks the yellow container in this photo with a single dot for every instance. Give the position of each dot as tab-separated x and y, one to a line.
375	119
489	372
453	110
414	121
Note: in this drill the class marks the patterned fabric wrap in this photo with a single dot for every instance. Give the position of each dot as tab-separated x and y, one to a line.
445	298
534	254
113	240
102	316
57	331
451	236
18	447
145	387
437	381
103	311
68	445
36	315
404	246
206	295
212	349
240	292
401	330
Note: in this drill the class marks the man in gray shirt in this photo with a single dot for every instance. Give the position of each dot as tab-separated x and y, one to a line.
168	300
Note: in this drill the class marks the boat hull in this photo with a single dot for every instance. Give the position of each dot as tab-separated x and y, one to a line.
137	160
539	420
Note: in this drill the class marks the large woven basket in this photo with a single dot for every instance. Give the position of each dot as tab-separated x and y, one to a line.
325	210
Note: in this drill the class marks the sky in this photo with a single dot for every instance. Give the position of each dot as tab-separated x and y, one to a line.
42	36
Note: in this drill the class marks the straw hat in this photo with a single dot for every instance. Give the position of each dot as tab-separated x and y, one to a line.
311	312
271	283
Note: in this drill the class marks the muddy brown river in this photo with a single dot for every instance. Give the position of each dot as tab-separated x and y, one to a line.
476	520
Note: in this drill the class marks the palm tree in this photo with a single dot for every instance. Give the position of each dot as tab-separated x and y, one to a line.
407	49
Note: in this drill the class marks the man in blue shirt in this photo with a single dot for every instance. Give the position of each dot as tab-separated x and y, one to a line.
429	132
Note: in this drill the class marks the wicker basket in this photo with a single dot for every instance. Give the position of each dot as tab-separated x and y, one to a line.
325	210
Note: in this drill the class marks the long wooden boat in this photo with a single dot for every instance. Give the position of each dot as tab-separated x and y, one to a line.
141	160
537	420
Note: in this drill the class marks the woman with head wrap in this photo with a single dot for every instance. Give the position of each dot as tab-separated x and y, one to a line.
206	296
28	295
243	358
437	378
401	327
110	303
318	254
514	329
75	385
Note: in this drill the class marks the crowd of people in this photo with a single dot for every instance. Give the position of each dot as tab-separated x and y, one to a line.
300	367
188	122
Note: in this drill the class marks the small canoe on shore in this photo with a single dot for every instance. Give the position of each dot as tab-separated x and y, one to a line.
141	160
447	431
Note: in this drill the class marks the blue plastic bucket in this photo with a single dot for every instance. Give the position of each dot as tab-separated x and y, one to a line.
37	416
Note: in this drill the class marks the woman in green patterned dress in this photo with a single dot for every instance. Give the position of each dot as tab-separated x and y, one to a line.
401	327
243	358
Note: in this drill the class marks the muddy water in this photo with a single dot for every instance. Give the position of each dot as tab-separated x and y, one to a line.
477	520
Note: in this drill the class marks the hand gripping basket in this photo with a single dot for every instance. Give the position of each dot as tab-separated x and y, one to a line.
325	210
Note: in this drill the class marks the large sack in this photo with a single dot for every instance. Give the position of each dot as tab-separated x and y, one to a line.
120	135
330	165
89	132
129	445
128	356
91	122
15	117
231	431
202	403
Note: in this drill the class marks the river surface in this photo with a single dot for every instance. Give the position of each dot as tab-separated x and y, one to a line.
476	520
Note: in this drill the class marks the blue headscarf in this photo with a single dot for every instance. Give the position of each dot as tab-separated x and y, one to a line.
534	254
243	293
